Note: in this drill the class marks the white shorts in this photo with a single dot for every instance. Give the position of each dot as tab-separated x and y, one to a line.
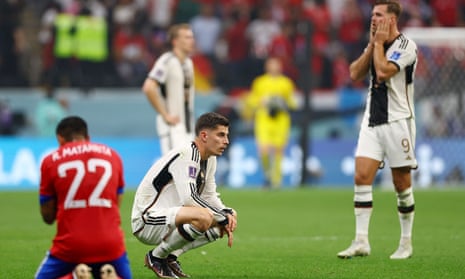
172	136
394	141
155	225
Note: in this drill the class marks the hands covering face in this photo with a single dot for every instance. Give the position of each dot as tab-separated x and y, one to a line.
382	30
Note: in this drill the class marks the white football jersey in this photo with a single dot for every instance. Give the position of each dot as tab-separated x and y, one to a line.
393	99
176	80
179	178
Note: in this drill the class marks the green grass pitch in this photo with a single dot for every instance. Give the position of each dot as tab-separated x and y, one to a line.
281	234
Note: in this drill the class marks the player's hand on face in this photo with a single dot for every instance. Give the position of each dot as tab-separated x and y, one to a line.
382	31
372	32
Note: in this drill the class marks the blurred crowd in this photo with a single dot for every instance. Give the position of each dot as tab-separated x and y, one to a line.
113	43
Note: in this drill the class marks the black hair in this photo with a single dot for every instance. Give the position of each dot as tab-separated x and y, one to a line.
210	120
72	127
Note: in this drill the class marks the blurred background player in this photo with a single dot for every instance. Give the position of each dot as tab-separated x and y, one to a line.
271	97
49	111
170	89
81	187
388	126
177	207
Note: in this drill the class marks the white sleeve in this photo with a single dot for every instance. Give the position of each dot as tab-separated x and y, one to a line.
159	71
403	55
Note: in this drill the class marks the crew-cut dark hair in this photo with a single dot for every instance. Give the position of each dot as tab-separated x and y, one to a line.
210	120
71	127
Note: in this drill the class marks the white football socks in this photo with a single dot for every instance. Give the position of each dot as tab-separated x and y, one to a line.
363	202
406	207
209	236
179	237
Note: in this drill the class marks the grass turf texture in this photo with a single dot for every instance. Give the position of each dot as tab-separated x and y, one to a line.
281	234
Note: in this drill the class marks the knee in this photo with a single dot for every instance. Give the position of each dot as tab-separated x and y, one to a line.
401	179
362	178
401	184
204	220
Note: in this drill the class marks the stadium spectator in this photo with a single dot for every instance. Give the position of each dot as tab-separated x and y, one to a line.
169	88
351	29
319	15
90	47
283	47
176	206
340	66
388	126
447	13
131	54
125	12
416	13
260	33
207	29
271	97
7	125
63	71
49	112
335	22
237	48
160	13
13	44
81	188
47	41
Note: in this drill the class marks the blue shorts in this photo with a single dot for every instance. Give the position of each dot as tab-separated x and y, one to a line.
52	267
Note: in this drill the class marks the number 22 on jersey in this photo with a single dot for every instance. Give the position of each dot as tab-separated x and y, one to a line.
81	168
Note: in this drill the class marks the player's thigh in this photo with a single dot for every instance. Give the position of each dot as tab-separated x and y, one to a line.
400	143
158	223
401	178
369	144
281	125
365	170
52	267
262	127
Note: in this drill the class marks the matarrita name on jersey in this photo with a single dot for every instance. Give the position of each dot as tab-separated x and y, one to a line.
80	149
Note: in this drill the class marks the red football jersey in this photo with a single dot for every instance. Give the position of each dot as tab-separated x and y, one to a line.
85	179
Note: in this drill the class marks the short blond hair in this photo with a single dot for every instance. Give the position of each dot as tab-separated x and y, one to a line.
173	32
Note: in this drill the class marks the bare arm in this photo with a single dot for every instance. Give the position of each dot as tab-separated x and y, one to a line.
150	88
384	68
48	210
360	67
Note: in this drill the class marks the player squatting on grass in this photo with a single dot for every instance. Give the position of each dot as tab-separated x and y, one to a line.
177	207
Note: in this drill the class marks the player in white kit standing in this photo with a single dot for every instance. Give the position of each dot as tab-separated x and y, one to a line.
388	127
169	88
